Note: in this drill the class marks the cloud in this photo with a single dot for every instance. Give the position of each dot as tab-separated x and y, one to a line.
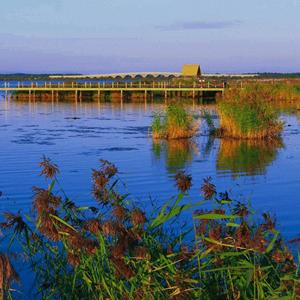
199	25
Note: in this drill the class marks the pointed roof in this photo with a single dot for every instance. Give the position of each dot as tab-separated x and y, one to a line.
191	70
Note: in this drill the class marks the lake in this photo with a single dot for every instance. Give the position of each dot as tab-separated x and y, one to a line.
76	137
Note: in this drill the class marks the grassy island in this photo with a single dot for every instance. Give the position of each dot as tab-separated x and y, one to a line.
248	114
175	123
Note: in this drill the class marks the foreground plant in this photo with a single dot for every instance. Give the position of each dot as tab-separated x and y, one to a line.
176	123
247	114
117	251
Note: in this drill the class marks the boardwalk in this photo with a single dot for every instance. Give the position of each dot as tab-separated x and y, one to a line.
114	87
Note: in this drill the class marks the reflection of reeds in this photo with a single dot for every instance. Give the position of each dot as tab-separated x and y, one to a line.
177	152
247	156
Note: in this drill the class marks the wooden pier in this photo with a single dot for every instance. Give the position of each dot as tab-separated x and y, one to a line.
145	88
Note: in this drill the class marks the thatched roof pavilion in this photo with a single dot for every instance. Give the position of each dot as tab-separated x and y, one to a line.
191	70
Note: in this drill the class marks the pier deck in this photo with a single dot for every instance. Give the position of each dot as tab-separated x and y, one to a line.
74	87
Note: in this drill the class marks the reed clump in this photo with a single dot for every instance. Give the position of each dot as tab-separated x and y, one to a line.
248	113
175	123
115	250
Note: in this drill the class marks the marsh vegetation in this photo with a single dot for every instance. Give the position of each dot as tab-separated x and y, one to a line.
115	250
175	123
248	114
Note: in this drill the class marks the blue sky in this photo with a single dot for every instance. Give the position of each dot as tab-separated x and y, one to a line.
94	36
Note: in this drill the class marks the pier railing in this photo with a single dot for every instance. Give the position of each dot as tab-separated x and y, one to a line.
110	85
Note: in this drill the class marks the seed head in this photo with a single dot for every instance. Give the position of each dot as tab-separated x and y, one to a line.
183	181
208	189
49	169
138	217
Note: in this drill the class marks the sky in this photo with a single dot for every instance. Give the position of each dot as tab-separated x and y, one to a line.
103	36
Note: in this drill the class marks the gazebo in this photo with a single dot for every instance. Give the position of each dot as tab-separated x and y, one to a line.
191	70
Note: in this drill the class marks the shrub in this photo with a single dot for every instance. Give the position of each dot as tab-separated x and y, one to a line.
247	113
175	123
117	251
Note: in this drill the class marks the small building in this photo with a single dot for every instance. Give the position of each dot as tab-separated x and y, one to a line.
191	70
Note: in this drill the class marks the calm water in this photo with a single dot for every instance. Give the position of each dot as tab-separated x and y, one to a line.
77	136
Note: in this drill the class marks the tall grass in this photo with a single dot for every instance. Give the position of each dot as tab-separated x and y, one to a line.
175	123
115	250
248	114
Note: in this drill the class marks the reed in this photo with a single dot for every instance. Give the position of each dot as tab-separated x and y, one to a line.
248	114
115	250
175	123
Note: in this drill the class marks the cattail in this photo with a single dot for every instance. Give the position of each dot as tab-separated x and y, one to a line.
43	200
93	226
242	235
117	251
108	168
49	169
259	242
208	189
13	220
73	259
109	228
183	181
119	212
99	180
241	210
7	274
122	270
269	223
138	217
141	252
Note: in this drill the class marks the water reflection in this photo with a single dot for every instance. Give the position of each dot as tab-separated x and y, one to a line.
248	157
176	153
